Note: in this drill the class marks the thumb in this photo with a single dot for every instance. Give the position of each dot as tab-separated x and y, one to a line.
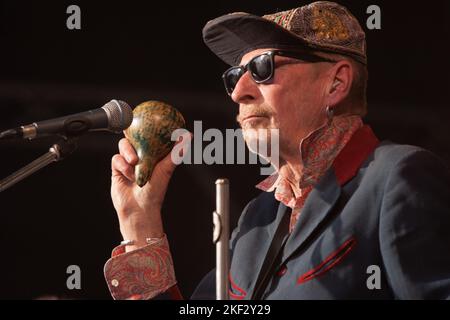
164	169
168	164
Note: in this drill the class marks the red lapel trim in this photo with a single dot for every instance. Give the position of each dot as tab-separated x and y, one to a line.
349	160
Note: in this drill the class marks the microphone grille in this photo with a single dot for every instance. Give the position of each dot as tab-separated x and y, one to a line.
119	115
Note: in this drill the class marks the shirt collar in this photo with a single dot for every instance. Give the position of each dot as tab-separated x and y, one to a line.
317	152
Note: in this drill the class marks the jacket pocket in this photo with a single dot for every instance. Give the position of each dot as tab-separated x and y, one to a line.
329	262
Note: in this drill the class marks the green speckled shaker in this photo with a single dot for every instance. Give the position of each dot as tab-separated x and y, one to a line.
150	134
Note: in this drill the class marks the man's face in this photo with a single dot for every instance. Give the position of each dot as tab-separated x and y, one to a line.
291	102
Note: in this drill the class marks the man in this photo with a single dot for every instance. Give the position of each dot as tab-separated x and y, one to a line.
345	216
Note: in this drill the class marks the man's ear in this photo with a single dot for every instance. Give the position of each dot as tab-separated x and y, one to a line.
341	79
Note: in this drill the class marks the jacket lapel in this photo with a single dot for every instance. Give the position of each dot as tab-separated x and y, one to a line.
317	208
326	193
271	230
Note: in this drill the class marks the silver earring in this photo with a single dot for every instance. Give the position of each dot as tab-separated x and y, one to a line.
330	113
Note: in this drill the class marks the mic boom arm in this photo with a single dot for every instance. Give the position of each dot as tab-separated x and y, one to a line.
57	152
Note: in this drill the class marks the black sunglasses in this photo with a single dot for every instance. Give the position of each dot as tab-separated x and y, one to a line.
262	67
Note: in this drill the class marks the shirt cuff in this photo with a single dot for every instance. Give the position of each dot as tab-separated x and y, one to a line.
141	274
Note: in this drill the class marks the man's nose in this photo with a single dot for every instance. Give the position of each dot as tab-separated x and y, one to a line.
246	90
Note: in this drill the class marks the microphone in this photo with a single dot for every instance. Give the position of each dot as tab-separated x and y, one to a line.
114	116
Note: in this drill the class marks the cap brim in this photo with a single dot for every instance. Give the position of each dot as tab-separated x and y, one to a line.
232	36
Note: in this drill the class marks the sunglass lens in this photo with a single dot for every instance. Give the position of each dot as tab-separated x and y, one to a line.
261	67
232	77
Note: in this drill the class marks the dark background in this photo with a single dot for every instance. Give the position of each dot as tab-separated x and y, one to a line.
138	51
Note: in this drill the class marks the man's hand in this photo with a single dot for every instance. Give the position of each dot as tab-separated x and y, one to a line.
139	209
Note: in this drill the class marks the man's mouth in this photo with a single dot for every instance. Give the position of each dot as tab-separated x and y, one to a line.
254	116
252	120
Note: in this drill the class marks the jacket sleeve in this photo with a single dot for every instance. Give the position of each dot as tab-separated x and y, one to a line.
415	227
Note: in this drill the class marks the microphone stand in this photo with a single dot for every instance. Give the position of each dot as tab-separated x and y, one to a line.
57	152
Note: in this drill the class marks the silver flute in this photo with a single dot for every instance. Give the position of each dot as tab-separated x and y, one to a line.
221	236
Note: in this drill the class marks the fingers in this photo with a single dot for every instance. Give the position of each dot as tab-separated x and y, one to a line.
127	151
123	164
120	167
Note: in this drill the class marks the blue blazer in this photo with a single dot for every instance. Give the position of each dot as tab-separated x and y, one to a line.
376	226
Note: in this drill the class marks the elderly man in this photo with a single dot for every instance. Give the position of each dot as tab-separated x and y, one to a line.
345	216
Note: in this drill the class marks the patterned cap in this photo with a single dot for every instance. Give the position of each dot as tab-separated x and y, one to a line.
319	26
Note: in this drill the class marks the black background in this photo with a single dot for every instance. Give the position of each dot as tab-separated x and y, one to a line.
146	50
